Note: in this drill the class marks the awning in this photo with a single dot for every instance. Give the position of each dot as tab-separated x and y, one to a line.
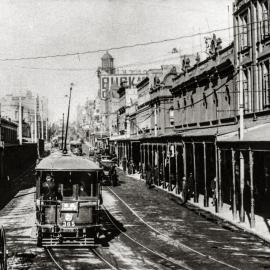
210	131
259	133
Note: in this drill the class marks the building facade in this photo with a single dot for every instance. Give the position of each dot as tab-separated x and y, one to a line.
34	113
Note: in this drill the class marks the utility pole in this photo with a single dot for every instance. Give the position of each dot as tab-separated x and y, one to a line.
41	120
63	123
0	124
46	130
20	120
35	121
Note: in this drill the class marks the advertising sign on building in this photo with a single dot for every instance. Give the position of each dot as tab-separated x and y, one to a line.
131	80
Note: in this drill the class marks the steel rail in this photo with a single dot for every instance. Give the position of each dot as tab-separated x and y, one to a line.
103	259
143	246
167	237
48	250
53	259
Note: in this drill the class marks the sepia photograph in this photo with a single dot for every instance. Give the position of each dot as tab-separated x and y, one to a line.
134	134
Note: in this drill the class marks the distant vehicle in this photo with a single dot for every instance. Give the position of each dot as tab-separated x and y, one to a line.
57	141
105	157
91	152
76	147
109	172
68	199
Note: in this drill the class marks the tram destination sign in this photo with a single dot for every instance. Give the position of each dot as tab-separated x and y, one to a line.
131	80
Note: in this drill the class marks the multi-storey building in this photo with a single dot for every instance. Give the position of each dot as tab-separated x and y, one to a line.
33	110
110	79
247	153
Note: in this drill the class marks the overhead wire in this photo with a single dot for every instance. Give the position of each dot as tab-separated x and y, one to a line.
128	46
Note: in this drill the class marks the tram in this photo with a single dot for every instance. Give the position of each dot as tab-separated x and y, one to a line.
68	199
76	147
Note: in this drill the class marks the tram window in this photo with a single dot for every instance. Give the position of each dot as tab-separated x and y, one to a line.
84	189
68	188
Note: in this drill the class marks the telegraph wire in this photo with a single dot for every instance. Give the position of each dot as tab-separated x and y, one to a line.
131	45
116	48
94	69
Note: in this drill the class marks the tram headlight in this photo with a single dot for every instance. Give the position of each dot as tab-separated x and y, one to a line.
68	217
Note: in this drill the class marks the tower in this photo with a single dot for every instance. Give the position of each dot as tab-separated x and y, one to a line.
107	63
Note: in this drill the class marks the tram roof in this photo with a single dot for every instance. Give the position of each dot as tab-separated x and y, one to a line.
66	162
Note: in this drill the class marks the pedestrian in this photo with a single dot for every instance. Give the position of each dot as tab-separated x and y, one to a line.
190	185
124	164
213	189
149	176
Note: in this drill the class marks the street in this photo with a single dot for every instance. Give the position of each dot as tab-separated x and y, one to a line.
142	229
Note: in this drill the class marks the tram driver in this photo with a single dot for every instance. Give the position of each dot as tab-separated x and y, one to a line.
49	188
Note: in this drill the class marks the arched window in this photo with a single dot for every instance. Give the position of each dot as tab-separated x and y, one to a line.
171	115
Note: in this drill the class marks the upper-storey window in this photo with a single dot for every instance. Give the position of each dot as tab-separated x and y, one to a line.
266	85
265	26
244	32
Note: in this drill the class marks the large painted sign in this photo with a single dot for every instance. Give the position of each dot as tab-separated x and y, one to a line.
131	80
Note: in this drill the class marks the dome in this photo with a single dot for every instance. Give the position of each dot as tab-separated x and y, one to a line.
106	56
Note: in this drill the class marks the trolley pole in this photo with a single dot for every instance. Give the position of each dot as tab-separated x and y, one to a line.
65	145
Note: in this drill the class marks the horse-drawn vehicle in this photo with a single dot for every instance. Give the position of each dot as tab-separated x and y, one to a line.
68	198
109	172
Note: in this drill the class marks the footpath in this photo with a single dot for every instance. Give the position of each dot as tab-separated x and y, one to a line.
262	224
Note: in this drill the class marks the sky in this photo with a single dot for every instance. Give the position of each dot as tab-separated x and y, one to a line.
31	28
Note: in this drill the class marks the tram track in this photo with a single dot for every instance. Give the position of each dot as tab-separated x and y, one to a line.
176	243
48	251
172	261
94	251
